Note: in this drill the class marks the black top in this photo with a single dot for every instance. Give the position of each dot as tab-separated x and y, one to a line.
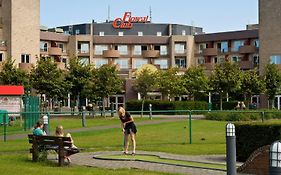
126	118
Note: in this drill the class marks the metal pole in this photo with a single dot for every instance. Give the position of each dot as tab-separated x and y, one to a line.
230	149
150	111
83	117
262	116
190	128
49	126
5	126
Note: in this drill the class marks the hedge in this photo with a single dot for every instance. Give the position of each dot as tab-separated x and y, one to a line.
157	105
232	116
251	136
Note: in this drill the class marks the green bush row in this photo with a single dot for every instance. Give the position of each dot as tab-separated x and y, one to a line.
157	105
232	116
251	136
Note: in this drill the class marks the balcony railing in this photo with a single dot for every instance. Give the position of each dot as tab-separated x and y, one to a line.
111	54
248	49
150	53
55	51
210	52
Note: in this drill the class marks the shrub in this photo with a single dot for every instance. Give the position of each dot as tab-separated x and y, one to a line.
232	116
157	105
251	136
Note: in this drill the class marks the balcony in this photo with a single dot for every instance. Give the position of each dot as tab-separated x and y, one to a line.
150	53
25	66
247	49
83	53
111	54
55	51
209	66
245	64
61	65
210	52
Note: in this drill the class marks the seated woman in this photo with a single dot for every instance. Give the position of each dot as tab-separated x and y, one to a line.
38	129
71	150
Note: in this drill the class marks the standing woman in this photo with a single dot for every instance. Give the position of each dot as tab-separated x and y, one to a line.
128	128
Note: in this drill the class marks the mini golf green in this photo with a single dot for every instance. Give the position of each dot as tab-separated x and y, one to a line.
157	159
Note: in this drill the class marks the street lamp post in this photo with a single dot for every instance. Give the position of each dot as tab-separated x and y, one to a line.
275	158
150	111
230	149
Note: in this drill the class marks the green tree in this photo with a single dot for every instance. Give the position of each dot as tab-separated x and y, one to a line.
272	79
225	78
106	82
78	77
168	82
251	83
144	83
10	75
195	81
47	79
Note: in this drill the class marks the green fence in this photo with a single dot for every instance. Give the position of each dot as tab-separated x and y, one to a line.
31	109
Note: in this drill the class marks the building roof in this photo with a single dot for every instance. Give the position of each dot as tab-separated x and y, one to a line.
11	90
223	36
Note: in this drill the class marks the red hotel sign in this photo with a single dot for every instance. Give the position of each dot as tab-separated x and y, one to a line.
128	20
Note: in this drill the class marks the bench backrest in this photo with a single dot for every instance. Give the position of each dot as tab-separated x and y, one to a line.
49	140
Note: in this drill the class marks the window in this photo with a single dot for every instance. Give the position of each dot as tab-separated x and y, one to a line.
120	34
256	60
61	45
123	49
84	61
143	48
223	46
237	45
159	34
101	33
1	57
162	62
201	60
140	34
100	62
25	58
183	32
181	62
157	48
180	48
100	48
236	58
123	63
77	31
275	59
139	63
137	50
218	60
257	43
163	50
83	47
202	47
43	46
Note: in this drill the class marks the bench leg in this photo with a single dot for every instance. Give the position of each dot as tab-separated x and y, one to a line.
61	156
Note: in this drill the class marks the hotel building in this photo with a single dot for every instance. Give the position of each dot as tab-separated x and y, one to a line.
132	45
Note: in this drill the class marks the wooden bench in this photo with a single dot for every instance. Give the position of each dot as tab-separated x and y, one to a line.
45	143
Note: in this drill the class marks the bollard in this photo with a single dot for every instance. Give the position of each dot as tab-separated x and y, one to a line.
275	158
83	116
230	149
150	111
46	122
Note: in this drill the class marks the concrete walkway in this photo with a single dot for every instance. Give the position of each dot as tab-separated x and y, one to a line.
87	159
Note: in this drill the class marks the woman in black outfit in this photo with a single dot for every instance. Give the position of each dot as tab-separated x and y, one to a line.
128	128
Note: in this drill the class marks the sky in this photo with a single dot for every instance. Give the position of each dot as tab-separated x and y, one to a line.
211	15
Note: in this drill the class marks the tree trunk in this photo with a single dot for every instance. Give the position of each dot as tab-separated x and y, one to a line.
221	101
103	106
142	106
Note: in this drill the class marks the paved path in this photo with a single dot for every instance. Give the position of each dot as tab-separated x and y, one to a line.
86	159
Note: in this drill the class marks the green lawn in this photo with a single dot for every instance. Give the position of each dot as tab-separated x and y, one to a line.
173	137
